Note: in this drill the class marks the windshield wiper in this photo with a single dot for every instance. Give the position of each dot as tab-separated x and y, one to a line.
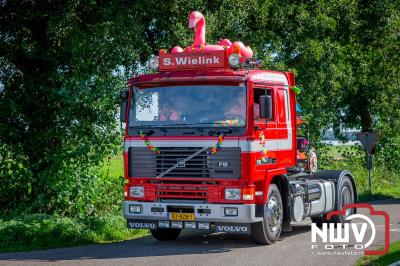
220	131
147	133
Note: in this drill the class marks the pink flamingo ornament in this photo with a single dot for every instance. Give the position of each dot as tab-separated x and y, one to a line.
197	23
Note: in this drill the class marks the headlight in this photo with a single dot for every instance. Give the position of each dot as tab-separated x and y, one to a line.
153	63
137	192
232	193
234	60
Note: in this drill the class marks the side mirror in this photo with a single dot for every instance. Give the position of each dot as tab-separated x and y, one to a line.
266	106
124	95
123	105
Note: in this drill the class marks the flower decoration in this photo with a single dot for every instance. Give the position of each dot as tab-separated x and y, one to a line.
217	147
263	147
147	143
229	123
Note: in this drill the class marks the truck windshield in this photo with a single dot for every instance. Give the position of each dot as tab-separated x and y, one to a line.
194	105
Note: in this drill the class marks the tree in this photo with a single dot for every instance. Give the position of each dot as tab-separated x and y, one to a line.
61	72
344	54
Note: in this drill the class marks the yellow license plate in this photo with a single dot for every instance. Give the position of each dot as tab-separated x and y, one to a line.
174	216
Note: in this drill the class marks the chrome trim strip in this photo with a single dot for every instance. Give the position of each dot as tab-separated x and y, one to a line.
246	212
245	146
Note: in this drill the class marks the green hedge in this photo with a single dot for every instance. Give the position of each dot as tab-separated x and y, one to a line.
39	231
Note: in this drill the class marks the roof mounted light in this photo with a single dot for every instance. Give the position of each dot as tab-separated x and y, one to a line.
252	62
234	60
153	62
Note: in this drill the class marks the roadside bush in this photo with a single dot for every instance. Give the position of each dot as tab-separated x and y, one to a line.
386	182
40	231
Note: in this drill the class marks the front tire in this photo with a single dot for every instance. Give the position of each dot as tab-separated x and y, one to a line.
165	234
269	229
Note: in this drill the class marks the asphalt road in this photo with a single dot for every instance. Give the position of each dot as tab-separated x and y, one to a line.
194	248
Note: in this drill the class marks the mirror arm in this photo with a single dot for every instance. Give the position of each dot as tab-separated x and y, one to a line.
123	95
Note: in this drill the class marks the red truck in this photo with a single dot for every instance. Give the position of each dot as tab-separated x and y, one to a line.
211	144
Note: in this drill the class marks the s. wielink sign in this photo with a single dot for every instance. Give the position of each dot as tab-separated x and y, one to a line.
209	60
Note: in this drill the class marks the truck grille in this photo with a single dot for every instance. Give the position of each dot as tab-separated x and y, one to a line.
143	162
182	192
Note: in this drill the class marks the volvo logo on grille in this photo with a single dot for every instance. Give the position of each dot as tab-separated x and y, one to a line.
181	162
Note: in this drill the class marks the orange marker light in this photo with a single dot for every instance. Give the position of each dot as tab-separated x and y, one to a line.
248	193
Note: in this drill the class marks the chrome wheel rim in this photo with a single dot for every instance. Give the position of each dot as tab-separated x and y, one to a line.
273	214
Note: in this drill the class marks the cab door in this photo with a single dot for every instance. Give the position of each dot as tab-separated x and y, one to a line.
266	127
284	127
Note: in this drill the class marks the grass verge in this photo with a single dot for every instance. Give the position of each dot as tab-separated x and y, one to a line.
385	183
389	258
39	231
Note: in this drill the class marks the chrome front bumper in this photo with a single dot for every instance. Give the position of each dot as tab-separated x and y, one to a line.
246	212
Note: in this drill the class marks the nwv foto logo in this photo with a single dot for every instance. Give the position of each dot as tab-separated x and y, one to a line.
338	235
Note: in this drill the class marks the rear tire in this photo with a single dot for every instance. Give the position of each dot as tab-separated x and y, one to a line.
269	229
165	234
346	196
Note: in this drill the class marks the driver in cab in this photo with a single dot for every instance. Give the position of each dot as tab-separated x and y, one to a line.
173	111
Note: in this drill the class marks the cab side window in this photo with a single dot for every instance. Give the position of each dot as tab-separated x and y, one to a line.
284	114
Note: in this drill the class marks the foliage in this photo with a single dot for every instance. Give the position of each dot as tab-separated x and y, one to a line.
60	72
344	54
41	231
385	182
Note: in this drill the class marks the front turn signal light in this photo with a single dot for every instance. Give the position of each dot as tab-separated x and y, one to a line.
248	193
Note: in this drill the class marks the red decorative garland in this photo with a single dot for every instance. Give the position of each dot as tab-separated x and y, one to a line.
217	147
147	143
263	147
